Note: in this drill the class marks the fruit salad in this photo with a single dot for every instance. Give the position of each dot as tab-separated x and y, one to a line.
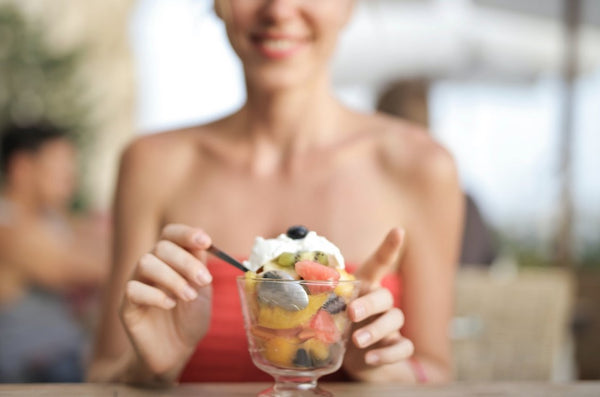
296	293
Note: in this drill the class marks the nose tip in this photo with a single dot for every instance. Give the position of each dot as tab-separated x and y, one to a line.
279	9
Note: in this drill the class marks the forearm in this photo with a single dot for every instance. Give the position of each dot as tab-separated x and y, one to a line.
88	267
62	270
430	370
417	369
129	368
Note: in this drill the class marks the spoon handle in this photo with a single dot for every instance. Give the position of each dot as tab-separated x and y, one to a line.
220	254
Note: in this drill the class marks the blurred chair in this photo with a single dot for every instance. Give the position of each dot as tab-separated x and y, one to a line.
587	323
513	327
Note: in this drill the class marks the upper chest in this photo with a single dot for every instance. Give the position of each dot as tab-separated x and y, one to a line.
353	204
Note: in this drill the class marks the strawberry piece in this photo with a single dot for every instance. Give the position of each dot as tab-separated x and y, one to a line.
325	328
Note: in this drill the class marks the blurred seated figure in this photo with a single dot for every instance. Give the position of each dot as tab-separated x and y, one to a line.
44	254
409	100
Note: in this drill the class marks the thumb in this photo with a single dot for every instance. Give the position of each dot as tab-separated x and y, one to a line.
383	259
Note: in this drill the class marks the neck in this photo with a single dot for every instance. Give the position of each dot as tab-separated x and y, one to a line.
294	118
283	126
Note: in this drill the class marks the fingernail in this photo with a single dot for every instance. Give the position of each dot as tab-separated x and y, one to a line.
372	358
359	312
170	303
203	277
201	240
362	338
189	293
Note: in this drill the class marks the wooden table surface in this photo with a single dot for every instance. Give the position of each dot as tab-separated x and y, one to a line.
339	389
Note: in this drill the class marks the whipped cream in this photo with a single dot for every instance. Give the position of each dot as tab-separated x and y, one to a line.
265	250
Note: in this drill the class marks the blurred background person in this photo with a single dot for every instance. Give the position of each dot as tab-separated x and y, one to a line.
45	254
409	99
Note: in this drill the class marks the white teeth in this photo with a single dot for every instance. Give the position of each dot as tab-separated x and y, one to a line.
278	45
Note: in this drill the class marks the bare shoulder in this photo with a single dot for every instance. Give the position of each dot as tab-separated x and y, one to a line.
161	160
165	154
154	150
409	152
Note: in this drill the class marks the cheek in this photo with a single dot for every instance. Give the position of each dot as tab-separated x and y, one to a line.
328	25
58	179
238	18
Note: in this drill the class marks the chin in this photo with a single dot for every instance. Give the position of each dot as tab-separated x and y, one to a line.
272	79
273	84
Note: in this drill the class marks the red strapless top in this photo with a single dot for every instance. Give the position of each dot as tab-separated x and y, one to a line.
222	355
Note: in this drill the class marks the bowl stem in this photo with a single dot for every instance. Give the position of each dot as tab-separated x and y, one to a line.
292	386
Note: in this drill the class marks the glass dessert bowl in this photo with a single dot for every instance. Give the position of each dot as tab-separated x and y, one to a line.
295	314
297	347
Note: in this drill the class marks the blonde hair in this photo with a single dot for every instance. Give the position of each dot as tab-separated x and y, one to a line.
408	99
222	8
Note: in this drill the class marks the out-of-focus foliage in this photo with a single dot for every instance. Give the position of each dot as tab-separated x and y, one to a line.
529	252
38	82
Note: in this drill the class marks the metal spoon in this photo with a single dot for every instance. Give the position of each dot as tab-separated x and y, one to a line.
221	255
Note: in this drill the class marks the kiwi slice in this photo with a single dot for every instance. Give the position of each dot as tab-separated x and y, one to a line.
287	259
304	256
321	257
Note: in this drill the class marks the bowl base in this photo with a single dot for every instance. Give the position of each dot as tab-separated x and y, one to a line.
273	392
287	386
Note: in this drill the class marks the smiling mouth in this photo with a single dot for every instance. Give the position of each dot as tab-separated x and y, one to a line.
278	47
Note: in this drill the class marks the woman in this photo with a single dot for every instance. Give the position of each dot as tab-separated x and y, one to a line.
293	154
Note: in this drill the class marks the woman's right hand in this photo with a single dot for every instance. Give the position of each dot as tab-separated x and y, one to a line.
166	306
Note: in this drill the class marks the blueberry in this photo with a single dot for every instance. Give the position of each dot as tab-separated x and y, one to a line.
302	359
334	304
297	232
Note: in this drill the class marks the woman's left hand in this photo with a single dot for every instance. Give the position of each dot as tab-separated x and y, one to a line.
376	339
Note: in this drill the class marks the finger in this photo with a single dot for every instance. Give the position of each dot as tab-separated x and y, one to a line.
383	260
152	269
390	339
186	236
375	302
391	354
388	323
141	294
183	262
